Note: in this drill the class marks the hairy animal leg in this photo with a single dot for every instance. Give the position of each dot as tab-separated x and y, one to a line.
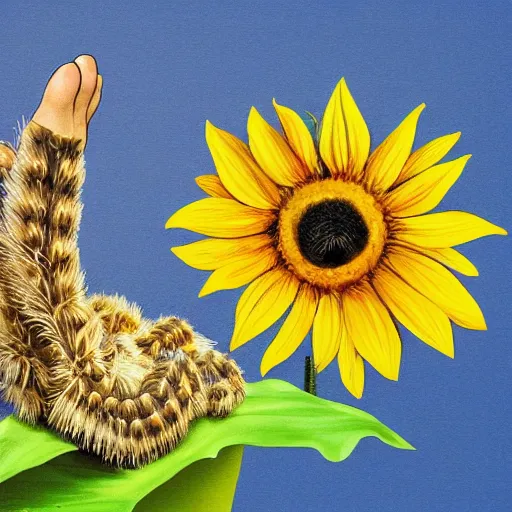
23	375
119	388
46	288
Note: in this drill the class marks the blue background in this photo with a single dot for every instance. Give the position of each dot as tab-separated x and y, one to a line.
167	67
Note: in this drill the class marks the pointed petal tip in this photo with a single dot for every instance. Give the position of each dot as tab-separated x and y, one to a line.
171	222
415	113
175	220
497	230
254	116
478	325
209	129
356	393
482	326
319	368
392	373
343	84
264	368
448	351
235	342
280	109
204	291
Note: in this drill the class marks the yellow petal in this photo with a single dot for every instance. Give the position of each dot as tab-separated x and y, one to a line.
444	229
450	258
333	144
351	365
211	184
372	330
221	217
239	172
263	302
437	284
428	155
386	162
298	136
425	191
241	271
273	153
214	253
327	331
453	259
358	136
418	314
293	331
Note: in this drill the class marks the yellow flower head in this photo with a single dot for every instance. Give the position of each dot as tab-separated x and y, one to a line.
338	234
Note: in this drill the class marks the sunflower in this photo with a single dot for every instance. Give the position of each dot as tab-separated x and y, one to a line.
340	235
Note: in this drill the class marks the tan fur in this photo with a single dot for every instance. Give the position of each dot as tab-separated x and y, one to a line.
91	368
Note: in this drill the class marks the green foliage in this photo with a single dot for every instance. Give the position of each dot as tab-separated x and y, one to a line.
312	124
39	471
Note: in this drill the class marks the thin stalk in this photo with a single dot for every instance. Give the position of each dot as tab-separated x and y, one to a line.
310	376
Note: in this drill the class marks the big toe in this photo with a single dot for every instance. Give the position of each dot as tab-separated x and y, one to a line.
55	111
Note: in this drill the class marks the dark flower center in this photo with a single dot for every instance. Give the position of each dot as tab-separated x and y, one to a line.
332	233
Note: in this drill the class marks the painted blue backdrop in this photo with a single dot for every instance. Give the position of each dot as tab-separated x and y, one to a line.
167	67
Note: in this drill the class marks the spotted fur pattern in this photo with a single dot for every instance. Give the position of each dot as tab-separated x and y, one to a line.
90	367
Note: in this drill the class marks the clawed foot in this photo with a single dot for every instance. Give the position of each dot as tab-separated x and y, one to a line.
71	98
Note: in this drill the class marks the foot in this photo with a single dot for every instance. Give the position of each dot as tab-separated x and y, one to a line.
70	99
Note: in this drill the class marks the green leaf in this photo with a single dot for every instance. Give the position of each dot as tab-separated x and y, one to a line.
274	413
23	447
312	124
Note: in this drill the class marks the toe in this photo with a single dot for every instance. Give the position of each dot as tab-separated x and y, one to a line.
63	86
93	105
55	111
89	75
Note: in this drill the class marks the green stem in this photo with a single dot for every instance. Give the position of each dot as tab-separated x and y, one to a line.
310	376
205	485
